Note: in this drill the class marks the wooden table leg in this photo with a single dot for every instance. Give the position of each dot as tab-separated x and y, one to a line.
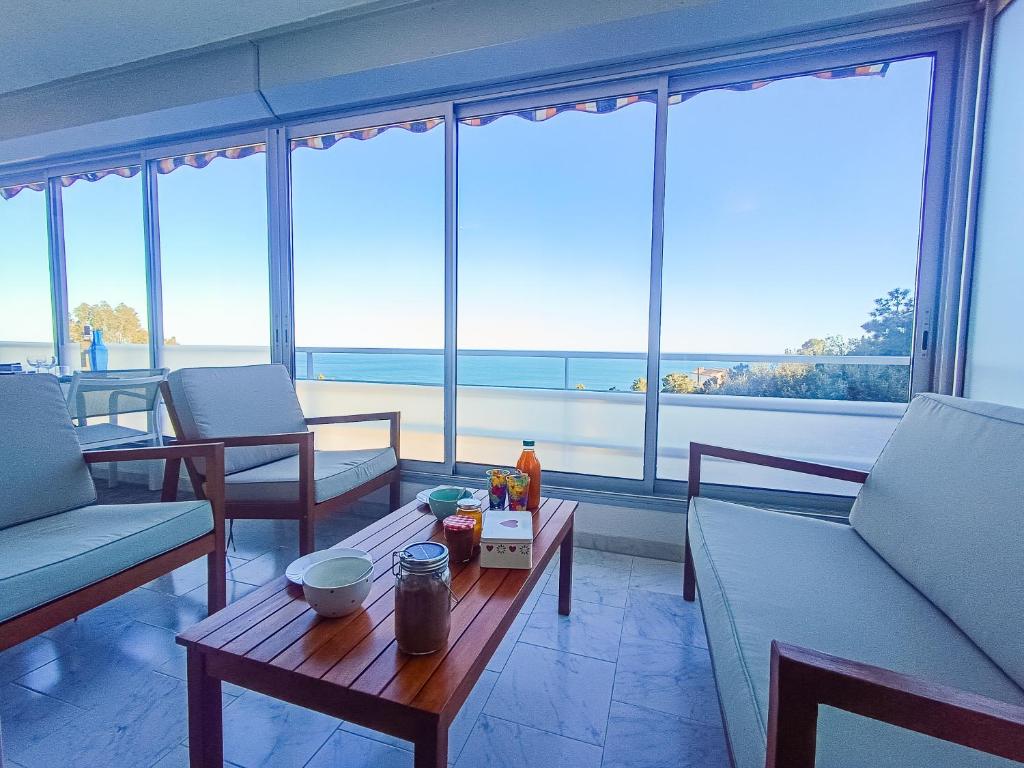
205	721
431	750
565	575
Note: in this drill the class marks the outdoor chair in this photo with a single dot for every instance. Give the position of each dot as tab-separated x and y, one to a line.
108	395
62	553
272	469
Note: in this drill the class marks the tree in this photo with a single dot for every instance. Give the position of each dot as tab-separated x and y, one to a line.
639	385
891	326
830	345
120	324
678	383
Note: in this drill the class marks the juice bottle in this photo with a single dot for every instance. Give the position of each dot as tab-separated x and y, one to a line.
529	464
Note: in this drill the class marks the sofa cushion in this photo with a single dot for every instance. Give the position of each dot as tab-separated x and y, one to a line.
334	472
767	576
47	558
42	471
238	401
944	505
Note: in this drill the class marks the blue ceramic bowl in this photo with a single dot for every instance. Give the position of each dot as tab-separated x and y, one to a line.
443	502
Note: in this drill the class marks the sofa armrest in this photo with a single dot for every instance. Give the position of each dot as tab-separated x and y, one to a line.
210	451
802	680
699	450
393	417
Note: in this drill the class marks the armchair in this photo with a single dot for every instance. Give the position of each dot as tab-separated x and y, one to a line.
61	553
273	470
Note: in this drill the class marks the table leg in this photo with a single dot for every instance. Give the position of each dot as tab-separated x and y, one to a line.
205	724
431	750
565	575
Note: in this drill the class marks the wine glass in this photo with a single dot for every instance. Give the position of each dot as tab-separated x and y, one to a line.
36	362
50	363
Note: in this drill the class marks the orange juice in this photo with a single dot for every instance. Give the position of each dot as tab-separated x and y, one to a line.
529	464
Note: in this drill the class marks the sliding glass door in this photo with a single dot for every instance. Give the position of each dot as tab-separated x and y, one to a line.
368	230
213	257
792	228
554	212
26	314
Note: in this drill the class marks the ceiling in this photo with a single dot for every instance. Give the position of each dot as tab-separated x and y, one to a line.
45	40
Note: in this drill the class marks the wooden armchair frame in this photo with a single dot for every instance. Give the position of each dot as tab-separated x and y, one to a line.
305	508
49	615
803	679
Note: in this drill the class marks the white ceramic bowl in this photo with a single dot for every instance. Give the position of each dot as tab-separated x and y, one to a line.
338	586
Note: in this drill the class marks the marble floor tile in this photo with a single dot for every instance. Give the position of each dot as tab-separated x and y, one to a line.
351	750
138	727
597	577
497	743
29	718
591	629
663	576
663	617
31	654
676	679
500	656
642	738
262	732
462	726
267	566
557	692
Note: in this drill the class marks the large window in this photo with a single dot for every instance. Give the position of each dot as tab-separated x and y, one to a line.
106	262
791	237
368	218
213	255
26	319
553	279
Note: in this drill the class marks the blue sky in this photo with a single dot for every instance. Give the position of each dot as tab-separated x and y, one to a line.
788	210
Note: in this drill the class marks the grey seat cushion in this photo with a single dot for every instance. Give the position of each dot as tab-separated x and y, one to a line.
334	472
944	505
767	576
42	471
53	556
237	401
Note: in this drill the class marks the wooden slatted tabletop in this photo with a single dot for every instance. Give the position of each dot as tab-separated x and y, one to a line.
271	641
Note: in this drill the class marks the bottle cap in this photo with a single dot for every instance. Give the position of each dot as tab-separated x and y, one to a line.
528	443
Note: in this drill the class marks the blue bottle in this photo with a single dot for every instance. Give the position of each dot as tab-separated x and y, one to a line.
98	352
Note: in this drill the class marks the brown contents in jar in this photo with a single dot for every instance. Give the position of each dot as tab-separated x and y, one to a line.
459	535
422	613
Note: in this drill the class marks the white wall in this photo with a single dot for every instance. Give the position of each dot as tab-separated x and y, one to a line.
995	357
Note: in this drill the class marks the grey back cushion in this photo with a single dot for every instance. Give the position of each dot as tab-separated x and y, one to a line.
236	401
42	471
944	505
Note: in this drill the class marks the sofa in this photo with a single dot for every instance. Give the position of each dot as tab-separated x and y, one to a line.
894	641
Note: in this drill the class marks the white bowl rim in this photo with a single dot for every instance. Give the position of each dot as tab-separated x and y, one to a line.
361	578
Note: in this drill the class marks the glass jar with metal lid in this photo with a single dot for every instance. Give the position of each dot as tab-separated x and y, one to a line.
423	597
472	508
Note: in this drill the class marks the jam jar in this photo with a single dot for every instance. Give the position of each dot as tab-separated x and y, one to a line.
423	597
458	533
473	508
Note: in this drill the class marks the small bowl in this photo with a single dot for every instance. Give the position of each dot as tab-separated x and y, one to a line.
443	501
337	587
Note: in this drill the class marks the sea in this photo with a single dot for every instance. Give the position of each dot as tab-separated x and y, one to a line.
600	374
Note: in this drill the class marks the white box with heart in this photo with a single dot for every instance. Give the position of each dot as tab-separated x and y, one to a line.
507	540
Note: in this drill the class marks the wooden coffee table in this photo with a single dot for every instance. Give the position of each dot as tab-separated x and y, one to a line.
272	642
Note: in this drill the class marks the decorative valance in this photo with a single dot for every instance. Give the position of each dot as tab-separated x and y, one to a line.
8	192
595	106
328	140
203	159
864	70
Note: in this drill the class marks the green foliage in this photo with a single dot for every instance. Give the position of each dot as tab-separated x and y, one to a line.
639	385
888	332
678	383
120	324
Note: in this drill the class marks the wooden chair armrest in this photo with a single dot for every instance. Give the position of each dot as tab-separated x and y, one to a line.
204	450
803	679
248	441
394	417
699	450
